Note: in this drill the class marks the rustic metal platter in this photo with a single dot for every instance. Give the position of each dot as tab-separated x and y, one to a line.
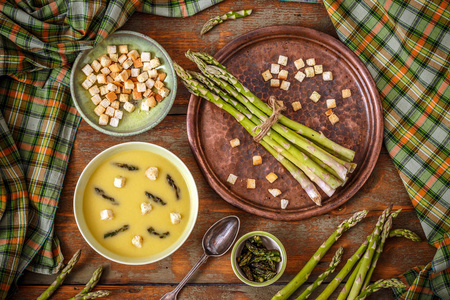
360	127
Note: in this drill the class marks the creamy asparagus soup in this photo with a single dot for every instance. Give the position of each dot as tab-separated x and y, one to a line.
136	204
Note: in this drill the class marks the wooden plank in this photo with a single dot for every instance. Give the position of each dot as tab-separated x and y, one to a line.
189	292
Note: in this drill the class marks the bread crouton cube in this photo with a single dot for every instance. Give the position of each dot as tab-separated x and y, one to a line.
299	63
315	96
101	78
144	106
275	192
105	103
137	241
115	104
123	76
284	203
129	84
105	71
152	73
146	67
311	61
346	93
285	85
282	60
145	56
150	83
109	79
251	183
122	59
152	173
96	99
87	70
232	178
111	96
92	78
329	112
147	93
151	101
103	90
309	71
162	76
103	120
94	90
142	77
117	91
300	76
96	66
135	72
136	95
274	68
274	82
140	87
271	177
87	84
99	110
333	119
127	64
123	98
114	122
110	111
175	217
266	75
283	75
126	91
164	92
118	114
137	63
128	106
327	76
133	54
115	68
257	160
111	86
158	84
296	105
114	57
235	142
123	49
105	61
159	98
154	63
318	69
111	49
331	103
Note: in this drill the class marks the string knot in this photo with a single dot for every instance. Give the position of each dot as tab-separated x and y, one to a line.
277	108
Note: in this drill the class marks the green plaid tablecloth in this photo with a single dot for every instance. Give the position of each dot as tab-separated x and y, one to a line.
39	39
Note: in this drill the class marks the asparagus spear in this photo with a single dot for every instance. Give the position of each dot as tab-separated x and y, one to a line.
382	283
106	197
126	166
300	128
195	88
60	279
155	198
91	295
406	234
308	146
367	258
303	275
174	186
324	180
333	264
348	285
92	282
115	232
231	15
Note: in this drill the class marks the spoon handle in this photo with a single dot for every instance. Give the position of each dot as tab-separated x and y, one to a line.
173	294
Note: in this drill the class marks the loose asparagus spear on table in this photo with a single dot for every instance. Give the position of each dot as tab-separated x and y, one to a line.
91	295
406	234
92	282
303	275
380	284
231	15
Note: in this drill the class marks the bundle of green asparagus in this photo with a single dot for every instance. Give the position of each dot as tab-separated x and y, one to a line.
308	155
363	262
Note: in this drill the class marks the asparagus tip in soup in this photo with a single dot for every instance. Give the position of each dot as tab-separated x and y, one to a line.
106	197
155	198
174	186
126	166
117	231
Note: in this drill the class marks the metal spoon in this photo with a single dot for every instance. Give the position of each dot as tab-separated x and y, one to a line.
217	240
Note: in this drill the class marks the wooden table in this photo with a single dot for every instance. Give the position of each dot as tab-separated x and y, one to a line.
216	280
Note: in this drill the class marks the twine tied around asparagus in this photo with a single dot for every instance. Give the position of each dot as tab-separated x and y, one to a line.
277	108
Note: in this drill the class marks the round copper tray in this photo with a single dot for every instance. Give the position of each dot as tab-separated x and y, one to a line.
360	127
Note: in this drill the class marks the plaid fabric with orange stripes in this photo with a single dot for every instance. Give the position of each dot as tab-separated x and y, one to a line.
406	47
39	39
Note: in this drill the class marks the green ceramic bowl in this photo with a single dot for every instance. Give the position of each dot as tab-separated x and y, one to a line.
95	163
137	121
271	242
